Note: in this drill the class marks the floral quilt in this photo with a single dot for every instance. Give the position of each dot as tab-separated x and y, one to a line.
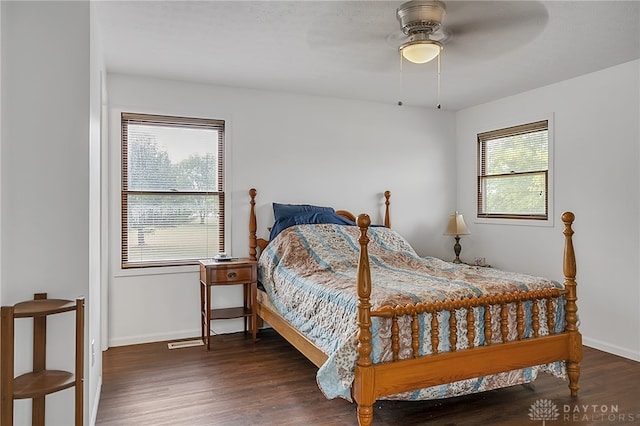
309	273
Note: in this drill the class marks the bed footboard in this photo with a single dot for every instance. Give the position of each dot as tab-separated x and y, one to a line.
497	354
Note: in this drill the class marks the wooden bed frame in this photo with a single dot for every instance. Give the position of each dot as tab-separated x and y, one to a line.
373	381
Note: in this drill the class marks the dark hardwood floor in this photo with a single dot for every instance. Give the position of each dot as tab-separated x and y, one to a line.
270	383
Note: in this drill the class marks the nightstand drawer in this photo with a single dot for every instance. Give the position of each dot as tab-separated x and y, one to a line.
228	274
231	275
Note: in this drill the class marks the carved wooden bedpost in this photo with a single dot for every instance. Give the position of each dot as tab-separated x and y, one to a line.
575	338
252	226
364	379
387	217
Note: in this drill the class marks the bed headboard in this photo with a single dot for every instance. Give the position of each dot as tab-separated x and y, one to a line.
261	243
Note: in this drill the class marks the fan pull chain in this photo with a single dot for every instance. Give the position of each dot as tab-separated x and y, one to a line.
401	82
439	106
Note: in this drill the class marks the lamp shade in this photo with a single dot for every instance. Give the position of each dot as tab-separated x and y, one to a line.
456	225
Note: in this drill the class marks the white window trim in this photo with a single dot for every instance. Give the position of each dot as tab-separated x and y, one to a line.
115	190
549	222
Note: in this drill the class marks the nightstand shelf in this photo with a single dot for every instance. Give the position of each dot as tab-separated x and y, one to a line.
235	272
230	313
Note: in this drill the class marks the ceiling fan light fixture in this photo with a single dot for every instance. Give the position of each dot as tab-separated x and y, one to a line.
420	51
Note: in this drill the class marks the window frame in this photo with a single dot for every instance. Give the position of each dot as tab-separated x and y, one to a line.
503	129
169	121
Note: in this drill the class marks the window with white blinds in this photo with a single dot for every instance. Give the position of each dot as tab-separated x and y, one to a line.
172	189
513	172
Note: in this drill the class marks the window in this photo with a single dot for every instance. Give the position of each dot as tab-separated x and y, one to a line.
172	189
513	172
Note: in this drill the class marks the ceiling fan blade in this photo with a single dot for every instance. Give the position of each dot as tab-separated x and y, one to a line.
355	34
487	15
476	35
346	23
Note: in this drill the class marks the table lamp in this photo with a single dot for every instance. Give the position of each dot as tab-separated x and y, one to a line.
457	227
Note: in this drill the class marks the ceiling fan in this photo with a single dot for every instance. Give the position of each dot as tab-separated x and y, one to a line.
365	36
474	30
421	24
420	21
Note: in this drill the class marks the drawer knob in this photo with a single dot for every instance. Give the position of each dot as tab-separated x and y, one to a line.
231	275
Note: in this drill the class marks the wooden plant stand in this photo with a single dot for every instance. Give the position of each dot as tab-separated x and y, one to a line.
41	381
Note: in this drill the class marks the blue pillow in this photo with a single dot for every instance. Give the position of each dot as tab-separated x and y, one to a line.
307	218
285	210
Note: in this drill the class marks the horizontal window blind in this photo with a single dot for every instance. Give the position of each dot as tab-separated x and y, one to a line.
513	178
172	189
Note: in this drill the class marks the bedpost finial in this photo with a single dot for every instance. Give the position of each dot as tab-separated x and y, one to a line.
253	226
363	220
387	216
568	217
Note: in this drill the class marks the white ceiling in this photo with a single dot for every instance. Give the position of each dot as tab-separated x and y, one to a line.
348	49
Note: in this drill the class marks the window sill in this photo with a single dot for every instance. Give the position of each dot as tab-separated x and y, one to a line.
155	270
517	222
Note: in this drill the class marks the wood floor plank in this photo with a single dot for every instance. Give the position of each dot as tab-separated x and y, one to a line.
271	383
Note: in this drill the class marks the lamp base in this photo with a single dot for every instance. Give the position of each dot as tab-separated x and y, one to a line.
457	248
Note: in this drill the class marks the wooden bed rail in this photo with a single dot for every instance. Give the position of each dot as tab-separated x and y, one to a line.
500	301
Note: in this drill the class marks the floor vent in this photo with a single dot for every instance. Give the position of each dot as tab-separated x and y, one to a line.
185	344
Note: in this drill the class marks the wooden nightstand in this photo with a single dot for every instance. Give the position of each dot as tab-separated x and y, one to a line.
233	272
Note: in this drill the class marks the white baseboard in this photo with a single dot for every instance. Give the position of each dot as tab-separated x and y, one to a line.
96	402
217	327
612	349
155	337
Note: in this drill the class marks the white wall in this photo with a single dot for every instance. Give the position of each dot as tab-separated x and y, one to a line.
596	176
291	148
45	177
